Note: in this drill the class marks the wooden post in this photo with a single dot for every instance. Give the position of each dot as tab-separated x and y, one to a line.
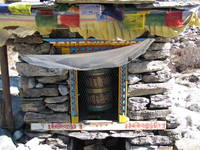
8	121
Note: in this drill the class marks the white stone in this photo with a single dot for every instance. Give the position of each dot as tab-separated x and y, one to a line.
146	89
146	66
63	90
134	78
6	143
160	46
131	147
39	86
25	69
188	144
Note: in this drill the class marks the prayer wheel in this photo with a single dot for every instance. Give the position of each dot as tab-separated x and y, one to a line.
99	94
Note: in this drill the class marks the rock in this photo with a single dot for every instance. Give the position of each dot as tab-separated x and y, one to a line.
33	106
28	70
187	144
39	92
6	143
85	135
132	147
193	106
31	49
157	55
159	105
137	103
148	114
159	97
146	66
38	134
56	143
151	140
129	134
17	134
53	100
159	46
31	117
22	147
26	83
29	40
35	144
160	101
162	40
58	107
134	78
146	89
54	79
39	86
157	77
172	121
63	90
33	99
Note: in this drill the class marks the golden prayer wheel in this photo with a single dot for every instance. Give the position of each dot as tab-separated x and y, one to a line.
99	94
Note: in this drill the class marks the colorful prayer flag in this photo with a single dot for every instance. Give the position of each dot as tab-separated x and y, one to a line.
155	19
174	19
134	21
70	20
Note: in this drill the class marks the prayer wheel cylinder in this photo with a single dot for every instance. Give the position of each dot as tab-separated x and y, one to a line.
99	94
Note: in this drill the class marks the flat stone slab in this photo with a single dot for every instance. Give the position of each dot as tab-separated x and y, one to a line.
58	107
137	103
157	77
146	66
157	55
151	140
134	78
148	114
31	117
146	89
53	100
159	46
32	106
54	79
39	92
25	69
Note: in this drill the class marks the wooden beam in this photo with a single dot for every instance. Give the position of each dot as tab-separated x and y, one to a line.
8	121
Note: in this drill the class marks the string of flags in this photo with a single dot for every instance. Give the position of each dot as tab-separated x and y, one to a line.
104	21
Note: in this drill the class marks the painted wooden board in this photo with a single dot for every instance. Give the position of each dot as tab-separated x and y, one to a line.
101	126
107	1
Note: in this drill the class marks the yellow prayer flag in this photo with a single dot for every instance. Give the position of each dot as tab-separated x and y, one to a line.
20	9
134	21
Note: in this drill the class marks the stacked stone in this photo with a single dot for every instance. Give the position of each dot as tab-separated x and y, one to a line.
44	91
148	95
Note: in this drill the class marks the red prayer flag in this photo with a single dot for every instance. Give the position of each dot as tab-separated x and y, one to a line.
174	19
70	20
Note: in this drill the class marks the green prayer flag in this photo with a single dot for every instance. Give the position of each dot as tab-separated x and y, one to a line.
155	19
46	20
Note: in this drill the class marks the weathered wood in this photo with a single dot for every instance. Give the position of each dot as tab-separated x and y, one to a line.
8	121
99	126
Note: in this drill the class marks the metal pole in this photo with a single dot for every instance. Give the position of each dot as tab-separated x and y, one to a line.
8	121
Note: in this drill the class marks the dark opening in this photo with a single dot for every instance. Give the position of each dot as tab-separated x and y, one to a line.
98	94
108	144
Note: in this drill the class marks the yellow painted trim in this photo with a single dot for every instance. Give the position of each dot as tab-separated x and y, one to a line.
122	119
75	119
65	50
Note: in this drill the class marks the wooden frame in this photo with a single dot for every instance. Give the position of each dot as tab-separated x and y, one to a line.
76	46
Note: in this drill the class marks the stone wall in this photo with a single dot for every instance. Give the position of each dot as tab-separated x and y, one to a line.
45	92
148	97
